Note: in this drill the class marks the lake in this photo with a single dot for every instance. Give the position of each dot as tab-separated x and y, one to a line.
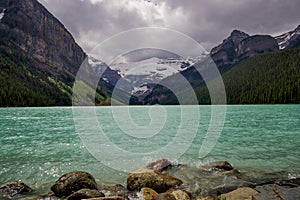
38	145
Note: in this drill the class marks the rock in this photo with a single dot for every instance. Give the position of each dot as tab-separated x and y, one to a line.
149	178
221	190
225	54
287	193
205	198
291	183
277	192
42	37
111	188
165	196
180	195
14	188
233	172
72	182
159	165
256	44
220	168
148	193
85	194
240	194
107	198
265	192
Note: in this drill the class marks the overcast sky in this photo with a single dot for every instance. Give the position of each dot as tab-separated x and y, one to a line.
207	21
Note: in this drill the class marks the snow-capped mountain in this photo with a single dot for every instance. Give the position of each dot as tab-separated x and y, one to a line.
288	39
144	74
139	77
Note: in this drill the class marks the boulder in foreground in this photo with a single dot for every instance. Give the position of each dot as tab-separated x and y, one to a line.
141	178
14	188
72	182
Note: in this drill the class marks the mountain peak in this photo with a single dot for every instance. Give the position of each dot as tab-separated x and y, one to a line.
238	33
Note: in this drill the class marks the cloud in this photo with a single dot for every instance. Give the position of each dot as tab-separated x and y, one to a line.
207	21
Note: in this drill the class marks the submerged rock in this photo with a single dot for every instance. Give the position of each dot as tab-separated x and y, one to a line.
14	188
221	190
240	194
85	194
219	166
72	182
160	165
149	178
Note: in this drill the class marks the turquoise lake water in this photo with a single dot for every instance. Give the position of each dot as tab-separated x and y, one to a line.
38	145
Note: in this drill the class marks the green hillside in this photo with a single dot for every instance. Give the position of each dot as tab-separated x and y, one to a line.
22	84
270	78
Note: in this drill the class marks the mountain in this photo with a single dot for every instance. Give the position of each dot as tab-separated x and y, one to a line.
139	76
41	36
269	78
290	39
29	31
239	46
225	54
232	54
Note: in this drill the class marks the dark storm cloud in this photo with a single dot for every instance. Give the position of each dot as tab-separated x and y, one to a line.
209	21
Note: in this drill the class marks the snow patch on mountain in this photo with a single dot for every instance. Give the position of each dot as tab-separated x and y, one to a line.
143	75
285	39
139	77
2	14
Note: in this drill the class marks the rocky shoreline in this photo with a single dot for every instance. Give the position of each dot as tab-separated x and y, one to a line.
163	180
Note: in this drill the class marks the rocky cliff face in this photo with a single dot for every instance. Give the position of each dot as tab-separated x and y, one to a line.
255	45
30	26
226	53
239	46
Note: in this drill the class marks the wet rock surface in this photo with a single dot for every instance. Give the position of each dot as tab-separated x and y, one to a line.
148	193
149	184
15	188
240	194
160	165
180	195
108	198
72	182
149	178
220	166
85	194
165	196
